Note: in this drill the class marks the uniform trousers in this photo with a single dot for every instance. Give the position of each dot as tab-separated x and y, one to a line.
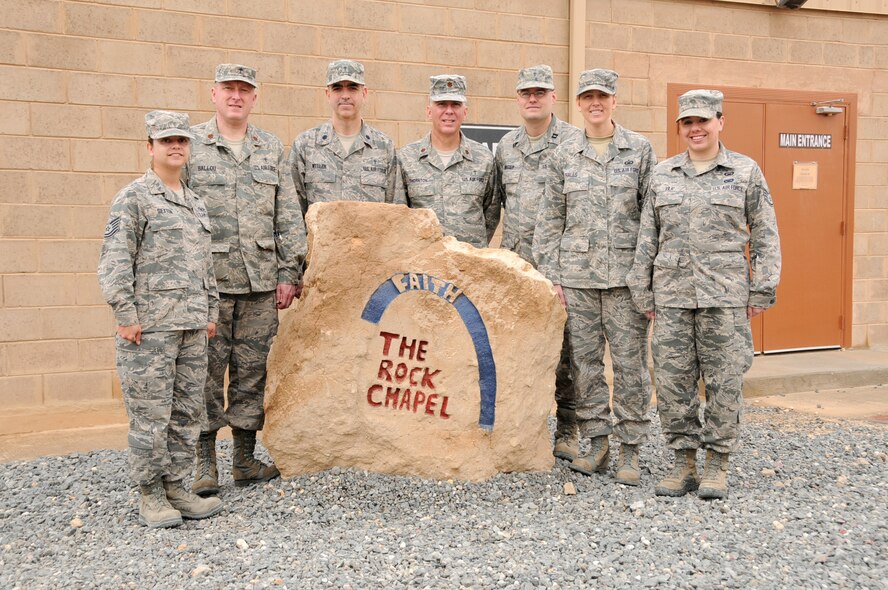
596	317
162	380
714	343
565	395
247	325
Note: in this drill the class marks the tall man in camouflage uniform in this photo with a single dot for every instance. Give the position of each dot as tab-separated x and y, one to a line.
585	243
449	173
156	272
258	248
344	159
691	276
521	159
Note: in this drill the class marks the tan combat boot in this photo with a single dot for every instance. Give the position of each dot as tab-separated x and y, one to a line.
191	505
628	472
206	476
566	447
245	468
596	460
683	478
715	476
155	510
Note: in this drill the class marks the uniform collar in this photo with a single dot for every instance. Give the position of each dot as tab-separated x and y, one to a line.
213	136
157	187
464	152
326	134
552	134
687	165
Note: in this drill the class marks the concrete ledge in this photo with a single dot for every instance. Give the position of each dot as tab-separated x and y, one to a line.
816	370
61	417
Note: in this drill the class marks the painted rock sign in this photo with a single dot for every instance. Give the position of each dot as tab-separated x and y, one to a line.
411	353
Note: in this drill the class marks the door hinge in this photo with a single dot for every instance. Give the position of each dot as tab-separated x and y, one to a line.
841	228
841	322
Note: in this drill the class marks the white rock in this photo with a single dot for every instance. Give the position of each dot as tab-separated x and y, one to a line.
242	544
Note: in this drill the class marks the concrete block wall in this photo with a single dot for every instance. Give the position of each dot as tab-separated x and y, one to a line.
79	75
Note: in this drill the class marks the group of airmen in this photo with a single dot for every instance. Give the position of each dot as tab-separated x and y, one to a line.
202	251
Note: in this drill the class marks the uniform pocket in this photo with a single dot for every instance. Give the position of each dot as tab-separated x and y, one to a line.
575	243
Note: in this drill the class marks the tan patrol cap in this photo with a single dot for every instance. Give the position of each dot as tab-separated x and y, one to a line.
231	72
598	79
536	77
345	70
700	103
447	87
161	124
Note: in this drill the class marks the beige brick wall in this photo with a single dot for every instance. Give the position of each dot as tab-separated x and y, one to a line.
79	75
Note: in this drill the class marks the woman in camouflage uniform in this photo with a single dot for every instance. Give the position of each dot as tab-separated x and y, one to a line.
156	273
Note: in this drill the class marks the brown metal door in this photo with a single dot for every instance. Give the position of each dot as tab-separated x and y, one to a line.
813	300
811	221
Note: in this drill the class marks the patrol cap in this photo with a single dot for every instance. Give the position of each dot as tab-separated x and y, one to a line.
160	124
536	77
345	69
447	87
598	79
231	72
699	103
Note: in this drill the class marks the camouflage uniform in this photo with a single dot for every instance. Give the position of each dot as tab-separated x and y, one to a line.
585	241
521	182
690	267
155	270
322	169
462	194
258	242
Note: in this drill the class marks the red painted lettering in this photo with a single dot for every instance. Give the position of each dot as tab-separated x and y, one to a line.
421	353
405	347
413	372
405	401
370	392
431	403
427	378
418	398
388	341
400	372
384	367
392	396
444	413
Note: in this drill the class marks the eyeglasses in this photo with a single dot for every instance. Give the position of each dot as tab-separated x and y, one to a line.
537	94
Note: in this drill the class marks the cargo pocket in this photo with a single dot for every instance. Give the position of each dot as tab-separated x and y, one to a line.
267	259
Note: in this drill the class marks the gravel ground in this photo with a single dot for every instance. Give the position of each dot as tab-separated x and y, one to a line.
808	509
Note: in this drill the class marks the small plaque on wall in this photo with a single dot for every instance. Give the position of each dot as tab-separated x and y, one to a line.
804	176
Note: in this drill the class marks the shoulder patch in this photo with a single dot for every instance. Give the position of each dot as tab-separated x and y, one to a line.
113	227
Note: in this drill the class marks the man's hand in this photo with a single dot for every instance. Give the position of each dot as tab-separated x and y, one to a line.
284	294
751	311
299	290
131	333
560	293
651	315
211	330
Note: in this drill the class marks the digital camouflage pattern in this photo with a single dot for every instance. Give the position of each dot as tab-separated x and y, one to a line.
160	124
447	87
691	269
258	230
536	77
715	342
598	79
585	241
694	232
235	72
521	181
162	380
155	268
705	104
463	195
595	316
323	171
247	325
345	70
588	222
